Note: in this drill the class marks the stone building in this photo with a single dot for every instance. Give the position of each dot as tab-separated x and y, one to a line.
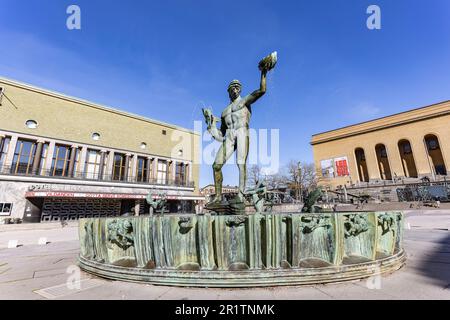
65	158
401	148
209	192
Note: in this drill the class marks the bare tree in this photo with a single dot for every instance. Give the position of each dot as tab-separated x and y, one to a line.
308	176
254	175
293	178
301	177
274	181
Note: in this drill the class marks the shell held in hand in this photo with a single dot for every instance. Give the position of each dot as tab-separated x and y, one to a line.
269	62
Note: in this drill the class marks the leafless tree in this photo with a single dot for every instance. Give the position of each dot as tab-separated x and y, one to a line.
301	177
274	181
309	176
254	175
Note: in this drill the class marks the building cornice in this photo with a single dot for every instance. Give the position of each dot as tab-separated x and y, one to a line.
89	183
420	114
86	103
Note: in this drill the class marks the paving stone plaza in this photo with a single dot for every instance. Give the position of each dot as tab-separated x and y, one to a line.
49	271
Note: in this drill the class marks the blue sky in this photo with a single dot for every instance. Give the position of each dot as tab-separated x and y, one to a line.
166	59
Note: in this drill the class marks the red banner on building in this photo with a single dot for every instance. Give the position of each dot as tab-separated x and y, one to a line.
341	165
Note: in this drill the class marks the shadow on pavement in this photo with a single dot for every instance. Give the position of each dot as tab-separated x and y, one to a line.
436	263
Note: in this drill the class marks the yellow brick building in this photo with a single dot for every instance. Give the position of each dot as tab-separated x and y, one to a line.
407	146
60	154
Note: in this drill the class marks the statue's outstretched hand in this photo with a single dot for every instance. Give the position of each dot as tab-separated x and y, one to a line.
211	122
207	113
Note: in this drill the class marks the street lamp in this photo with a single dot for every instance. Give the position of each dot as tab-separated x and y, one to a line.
299	182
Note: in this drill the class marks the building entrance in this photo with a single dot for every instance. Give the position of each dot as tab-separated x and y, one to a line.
59	209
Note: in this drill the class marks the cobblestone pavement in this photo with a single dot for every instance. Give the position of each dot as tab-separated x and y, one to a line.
33	271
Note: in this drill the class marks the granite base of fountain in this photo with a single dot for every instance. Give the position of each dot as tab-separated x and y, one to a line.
244	250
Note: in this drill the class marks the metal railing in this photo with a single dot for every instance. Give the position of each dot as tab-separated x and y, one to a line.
398	182
25	171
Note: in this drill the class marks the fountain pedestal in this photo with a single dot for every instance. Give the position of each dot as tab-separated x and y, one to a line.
243	251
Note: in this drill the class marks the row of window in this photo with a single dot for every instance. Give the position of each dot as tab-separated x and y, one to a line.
66	162
434	153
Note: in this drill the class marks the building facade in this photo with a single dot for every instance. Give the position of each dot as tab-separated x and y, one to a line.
209	191
65	158
405	147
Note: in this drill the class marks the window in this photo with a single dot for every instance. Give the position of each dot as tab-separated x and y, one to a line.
5	209
164	132
23	157
180	174
142	169
4	146
93	159
162	172
143	146
61	161
407	148
119	167
440	169
96	136
433	144
31	124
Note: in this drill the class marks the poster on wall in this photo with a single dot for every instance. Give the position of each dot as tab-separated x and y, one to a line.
327	168
341	165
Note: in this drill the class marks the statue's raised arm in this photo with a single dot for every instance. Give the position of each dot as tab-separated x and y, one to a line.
265	65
